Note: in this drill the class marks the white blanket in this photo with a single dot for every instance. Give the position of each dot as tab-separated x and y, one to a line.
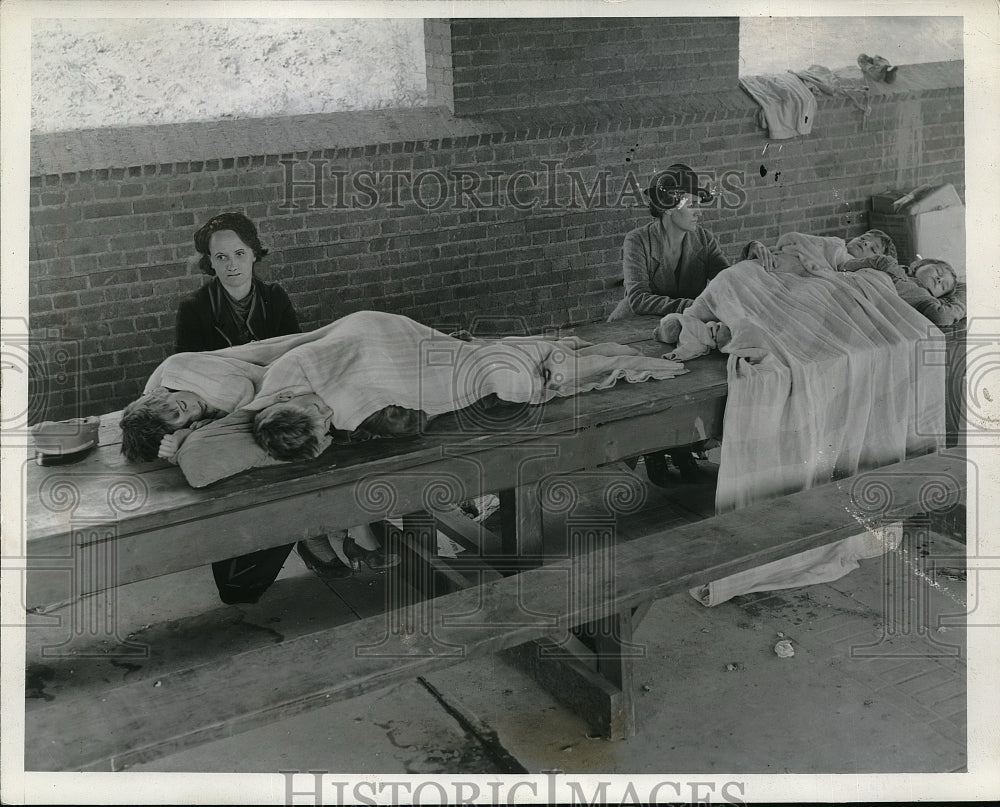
369	360
845	376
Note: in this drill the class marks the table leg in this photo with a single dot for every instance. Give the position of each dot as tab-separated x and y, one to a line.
521	522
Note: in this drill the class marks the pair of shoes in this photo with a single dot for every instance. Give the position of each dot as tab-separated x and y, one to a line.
333	568
877	68
685	462
656	468
374	559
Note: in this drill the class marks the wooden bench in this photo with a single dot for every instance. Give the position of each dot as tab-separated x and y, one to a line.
135	722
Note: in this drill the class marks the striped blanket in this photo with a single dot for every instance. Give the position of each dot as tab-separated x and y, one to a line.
829	374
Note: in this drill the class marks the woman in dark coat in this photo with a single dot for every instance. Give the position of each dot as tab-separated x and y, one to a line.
235	308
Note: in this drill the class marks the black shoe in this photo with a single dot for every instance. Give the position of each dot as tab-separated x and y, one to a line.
239	595
685	462
334	568
374	559
656	469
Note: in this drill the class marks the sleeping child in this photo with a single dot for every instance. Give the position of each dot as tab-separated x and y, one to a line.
929	285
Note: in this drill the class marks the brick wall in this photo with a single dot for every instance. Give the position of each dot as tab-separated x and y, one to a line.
108	247
501	64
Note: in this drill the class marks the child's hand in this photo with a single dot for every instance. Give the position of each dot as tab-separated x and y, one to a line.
171	443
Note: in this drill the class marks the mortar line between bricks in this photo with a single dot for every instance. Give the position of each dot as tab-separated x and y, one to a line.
486	736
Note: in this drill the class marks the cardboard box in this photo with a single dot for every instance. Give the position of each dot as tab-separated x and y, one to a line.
929	222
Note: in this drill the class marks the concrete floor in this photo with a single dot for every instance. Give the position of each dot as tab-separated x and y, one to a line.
877	682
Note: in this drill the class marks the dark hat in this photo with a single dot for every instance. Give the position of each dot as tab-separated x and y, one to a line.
668	187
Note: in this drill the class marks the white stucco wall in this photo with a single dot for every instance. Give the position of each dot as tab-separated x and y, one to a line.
776	44
88	73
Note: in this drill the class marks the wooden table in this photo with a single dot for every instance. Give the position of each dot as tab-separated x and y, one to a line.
103	522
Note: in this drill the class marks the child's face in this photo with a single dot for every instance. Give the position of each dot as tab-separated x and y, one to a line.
935	278
864	246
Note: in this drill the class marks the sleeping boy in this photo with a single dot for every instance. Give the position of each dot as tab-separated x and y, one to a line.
930	285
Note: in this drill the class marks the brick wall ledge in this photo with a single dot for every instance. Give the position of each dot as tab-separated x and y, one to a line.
196	146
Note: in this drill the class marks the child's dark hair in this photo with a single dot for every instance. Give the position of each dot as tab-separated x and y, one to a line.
287	433
237	223
144	425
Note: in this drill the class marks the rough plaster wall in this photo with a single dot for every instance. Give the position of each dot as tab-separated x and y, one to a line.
110	72
776	44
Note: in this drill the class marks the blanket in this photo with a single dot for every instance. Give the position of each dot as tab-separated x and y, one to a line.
369	360
838	381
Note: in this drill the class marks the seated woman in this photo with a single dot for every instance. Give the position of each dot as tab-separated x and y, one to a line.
666	264
157	425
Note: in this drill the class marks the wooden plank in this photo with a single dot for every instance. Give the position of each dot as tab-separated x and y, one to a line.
472	534
521	522
249	513
147	495
136	722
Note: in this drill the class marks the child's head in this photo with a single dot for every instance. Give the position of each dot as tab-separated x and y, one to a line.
871	244
938	277
294	429
147	419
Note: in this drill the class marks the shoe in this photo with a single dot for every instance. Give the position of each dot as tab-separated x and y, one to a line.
374	559
685	462
238	595
334	568
656	469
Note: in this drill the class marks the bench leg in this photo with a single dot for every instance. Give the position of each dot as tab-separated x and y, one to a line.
591	675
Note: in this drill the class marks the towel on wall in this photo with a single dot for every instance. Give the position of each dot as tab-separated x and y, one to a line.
788	108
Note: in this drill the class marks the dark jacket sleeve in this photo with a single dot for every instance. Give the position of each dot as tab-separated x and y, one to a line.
282	319
942	311
638	291
189	332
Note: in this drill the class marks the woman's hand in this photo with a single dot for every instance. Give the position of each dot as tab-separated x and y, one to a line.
171	443
756	251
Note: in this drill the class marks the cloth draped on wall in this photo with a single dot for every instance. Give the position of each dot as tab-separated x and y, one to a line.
841	378
788	108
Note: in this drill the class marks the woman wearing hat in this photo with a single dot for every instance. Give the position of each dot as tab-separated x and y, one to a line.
667	263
